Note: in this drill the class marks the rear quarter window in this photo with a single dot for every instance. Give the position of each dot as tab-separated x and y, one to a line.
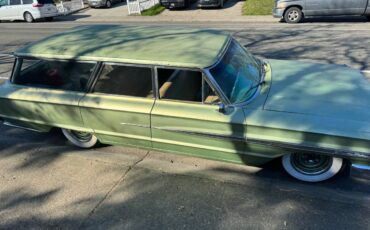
53	74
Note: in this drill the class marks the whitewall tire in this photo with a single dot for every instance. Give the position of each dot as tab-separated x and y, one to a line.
311	167
80	139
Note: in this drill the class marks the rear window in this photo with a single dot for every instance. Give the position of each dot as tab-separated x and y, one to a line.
27	2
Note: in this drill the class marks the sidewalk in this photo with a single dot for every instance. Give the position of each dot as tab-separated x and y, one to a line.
119	13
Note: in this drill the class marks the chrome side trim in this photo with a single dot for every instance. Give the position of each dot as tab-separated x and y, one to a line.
21	127
137	125
278	144
361	167
219	136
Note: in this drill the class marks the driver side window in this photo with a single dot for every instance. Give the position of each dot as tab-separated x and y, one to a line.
185	85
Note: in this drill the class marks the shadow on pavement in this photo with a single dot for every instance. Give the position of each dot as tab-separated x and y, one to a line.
219	197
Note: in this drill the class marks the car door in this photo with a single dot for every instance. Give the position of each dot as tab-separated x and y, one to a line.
46	92
186	118
118	106
334	7
15	10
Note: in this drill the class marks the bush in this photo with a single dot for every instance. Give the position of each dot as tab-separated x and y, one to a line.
258	7
154	10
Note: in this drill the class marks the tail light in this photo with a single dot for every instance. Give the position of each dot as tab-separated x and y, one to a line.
37	5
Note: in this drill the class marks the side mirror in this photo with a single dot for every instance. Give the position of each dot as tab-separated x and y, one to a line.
221	108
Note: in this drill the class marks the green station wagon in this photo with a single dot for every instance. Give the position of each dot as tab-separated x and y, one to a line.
190	91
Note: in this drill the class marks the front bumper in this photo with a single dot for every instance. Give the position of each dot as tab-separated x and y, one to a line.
209	3
278	12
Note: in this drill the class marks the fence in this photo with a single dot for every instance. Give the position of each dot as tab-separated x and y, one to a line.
68	7
137	6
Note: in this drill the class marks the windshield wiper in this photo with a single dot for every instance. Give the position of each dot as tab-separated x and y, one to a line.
262	82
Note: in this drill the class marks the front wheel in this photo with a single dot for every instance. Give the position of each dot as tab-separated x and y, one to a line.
293	15
108	4
28	17
80	139
311	167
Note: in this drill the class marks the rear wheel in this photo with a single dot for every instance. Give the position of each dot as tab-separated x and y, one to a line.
28	17
311	167
80	139
293	15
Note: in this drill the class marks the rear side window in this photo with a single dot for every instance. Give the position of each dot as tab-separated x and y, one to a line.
64	75
14	2
125	80
25	2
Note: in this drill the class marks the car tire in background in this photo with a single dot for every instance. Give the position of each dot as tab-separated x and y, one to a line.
49	19
312	167
221	4
293	15
368	17
28	17
80	139
108	4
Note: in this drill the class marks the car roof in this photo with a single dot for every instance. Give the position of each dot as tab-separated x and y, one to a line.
168	46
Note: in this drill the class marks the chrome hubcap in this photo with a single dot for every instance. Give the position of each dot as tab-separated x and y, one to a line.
81	136
311	164
293	15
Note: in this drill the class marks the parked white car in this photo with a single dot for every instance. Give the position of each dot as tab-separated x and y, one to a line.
28	10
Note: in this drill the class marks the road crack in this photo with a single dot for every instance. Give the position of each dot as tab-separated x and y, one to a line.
122	179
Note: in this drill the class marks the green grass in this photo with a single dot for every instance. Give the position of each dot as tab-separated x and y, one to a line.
258	7
154	10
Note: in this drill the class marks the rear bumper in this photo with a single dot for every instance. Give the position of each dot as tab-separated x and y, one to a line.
278	12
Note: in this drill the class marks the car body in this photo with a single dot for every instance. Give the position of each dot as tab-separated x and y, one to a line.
102	3
211	3
311	8
174	4
189	91
28	10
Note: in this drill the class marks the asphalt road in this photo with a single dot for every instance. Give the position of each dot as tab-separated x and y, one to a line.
47	183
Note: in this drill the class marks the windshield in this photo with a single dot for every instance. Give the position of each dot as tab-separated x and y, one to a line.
237	73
